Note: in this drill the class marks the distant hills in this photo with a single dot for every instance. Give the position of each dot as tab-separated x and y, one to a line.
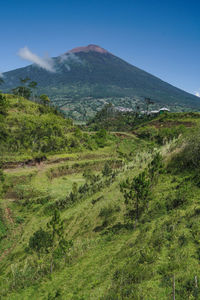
86	78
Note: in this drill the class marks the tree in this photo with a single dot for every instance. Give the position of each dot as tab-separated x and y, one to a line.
74	193
136	194
107	171
2	179
3	126
64	246
156	167
3	105
51	242
56	230
45	99
32	85
41	241
22	91
100	137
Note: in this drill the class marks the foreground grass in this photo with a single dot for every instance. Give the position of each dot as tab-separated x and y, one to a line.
108	260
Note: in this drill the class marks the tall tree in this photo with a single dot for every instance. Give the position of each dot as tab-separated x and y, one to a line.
22	91
56	229
136	194
32	85
24	82
3	105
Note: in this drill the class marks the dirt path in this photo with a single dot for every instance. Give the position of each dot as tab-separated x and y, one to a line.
8	216
9	220
52	160
123	135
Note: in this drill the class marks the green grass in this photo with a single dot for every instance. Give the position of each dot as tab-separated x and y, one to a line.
108	260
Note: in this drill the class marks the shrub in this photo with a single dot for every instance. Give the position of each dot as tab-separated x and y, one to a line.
156	166
179	198
19	220
107	211
100	138
40	241
106	170
147	133
189	156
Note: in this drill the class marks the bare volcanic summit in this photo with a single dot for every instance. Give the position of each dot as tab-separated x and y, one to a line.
88	48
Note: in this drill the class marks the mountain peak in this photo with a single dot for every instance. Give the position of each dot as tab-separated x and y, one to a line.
89	48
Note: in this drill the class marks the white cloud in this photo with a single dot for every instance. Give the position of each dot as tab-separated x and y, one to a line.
66	58
44	63
1	75
48	63
69	57
197	94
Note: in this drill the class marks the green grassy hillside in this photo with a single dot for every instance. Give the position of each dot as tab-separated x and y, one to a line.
79	225
31	131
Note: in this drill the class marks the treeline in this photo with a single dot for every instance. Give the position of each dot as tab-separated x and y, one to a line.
112	119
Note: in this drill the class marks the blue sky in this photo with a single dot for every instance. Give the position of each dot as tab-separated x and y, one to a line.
161	37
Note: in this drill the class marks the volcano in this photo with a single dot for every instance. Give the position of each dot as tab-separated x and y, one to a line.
87	77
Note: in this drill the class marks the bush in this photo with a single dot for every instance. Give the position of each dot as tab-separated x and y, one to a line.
3	105
156	166
179	198
40	241
19	220
107	211
107	171
100	138
161	135
189	155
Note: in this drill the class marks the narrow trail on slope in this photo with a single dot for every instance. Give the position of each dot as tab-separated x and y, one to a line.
30	164
8	215
9	220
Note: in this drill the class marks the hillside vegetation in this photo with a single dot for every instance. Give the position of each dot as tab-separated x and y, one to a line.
119	220
29	130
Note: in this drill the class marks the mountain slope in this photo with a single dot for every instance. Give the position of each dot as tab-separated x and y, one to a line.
30	131
108	256
94	73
